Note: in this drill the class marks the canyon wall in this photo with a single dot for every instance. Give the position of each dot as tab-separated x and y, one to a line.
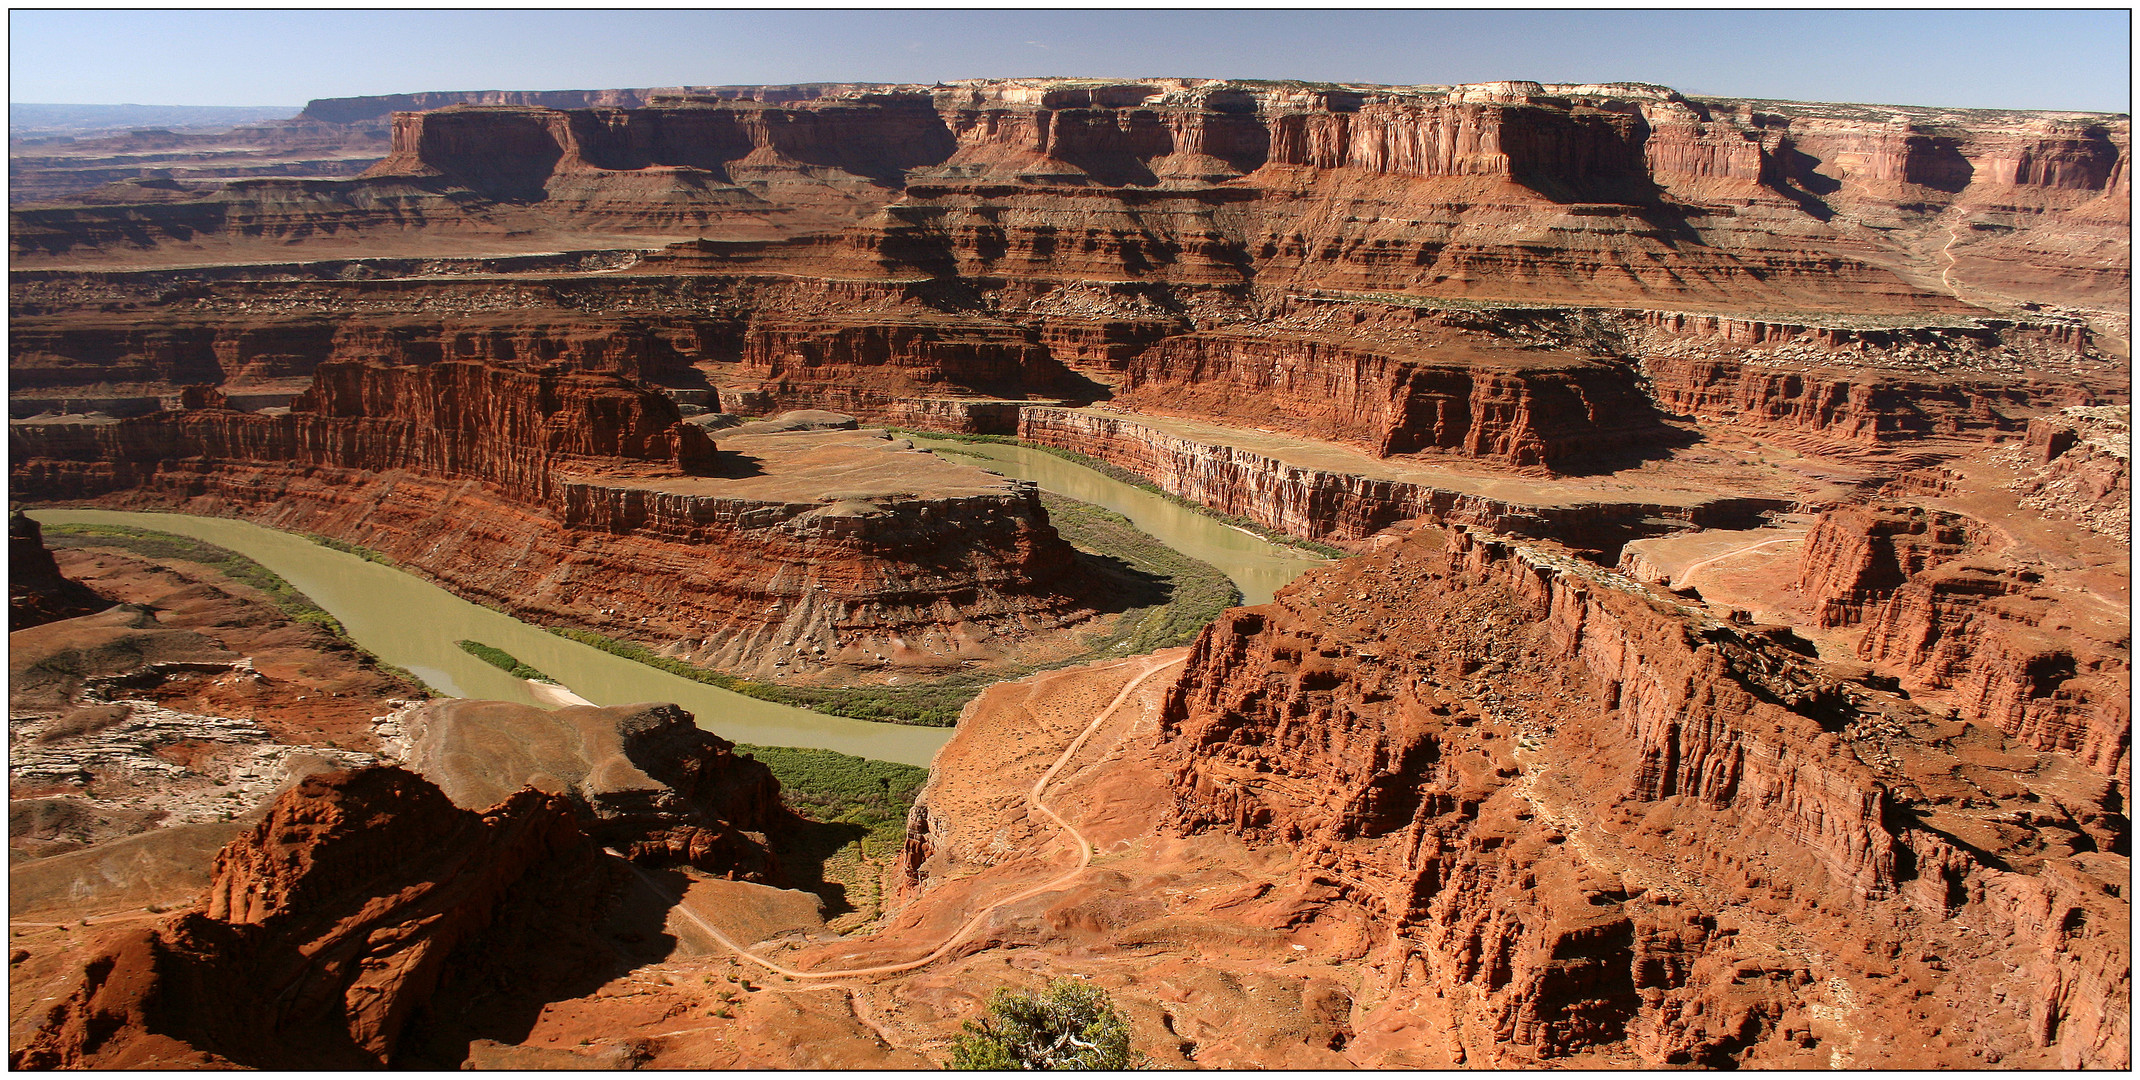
1539	411
2049	670
1856	557
1850	406
1636	190
1950	619
1595	821
581	499
334	925
1347	507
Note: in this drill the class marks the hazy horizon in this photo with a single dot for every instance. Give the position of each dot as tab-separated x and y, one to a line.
234	58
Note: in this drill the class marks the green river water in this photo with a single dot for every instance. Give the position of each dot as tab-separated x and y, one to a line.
1258	566
413	623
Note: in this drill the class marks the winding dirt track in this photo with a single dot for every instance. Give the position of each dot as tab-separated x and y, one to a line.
1687	575
1032	798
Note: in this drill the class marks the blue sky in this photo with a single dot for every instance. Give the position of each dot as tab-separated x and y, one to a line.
1979	59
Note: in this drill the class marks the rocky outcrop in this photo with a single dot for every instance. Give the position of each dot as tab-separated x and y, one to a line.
1848	406
1345	507
1536	411
37	593
537	489
224	347
878	367
1640	191
1597	821
355	910
1856	557
648	781
2051	670
2077	466
1947	613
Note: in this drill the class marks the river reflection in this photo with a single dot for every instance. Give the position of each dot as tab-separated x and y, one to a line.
1258	566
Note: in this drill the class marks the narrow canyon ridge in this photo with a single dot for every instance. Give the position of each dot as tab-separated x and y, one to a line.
1714	646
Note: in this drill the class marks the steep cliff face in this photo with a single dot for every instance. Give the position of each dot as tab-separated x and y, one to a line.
2053	671
1347	507
1850	406
1949	614
225	346
1596	821
1540	411
1641	192
1856	557
577	498
514	429
882	361
332	926
2077	466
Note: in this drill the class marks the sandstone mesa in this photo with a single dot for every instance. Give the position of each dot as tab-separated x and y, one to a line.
1731	667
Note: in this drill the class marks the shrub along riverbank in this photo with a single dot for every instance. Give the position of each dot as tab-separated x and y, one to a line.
162	547
1171	597
503	661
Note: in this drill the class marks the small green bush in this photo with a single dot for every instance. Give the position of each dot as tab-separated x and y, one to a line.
503	661
1069	1025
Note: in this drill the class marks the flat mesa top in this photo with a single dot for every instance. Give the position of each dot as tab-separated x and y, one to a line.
829	466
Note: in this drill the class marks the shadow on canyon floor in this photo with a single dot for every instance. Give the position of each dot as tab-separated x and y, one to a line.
804	847
1669	436
731	465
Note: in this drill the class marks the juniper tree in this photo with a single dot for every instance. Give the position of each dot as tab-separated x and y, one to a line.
1069	1025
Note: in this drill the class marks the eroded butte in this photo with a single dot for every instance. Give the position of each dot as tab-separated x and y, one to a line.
1731	666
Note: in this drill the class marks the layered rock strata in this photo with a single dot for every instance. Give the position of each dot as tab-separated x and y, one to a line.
1594	821
651	784
1856	557
1851	406
1945	611
1534	411
1345	507
333	926
1638	191
2077	466
2013	655
531	487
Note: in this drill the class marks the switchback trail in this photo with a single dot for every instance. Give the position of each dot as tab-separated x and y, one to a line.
1032	797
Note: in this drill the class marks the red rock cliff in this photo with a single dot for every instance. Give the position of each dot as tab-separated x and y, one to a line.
571	498
1640	191
1593	821
1857	556
1539	411
331	925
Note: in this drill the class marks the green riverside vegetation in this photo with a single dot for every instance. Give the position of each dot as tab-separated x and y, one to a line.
161	547
1173	597
828	786
503	661
855	812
